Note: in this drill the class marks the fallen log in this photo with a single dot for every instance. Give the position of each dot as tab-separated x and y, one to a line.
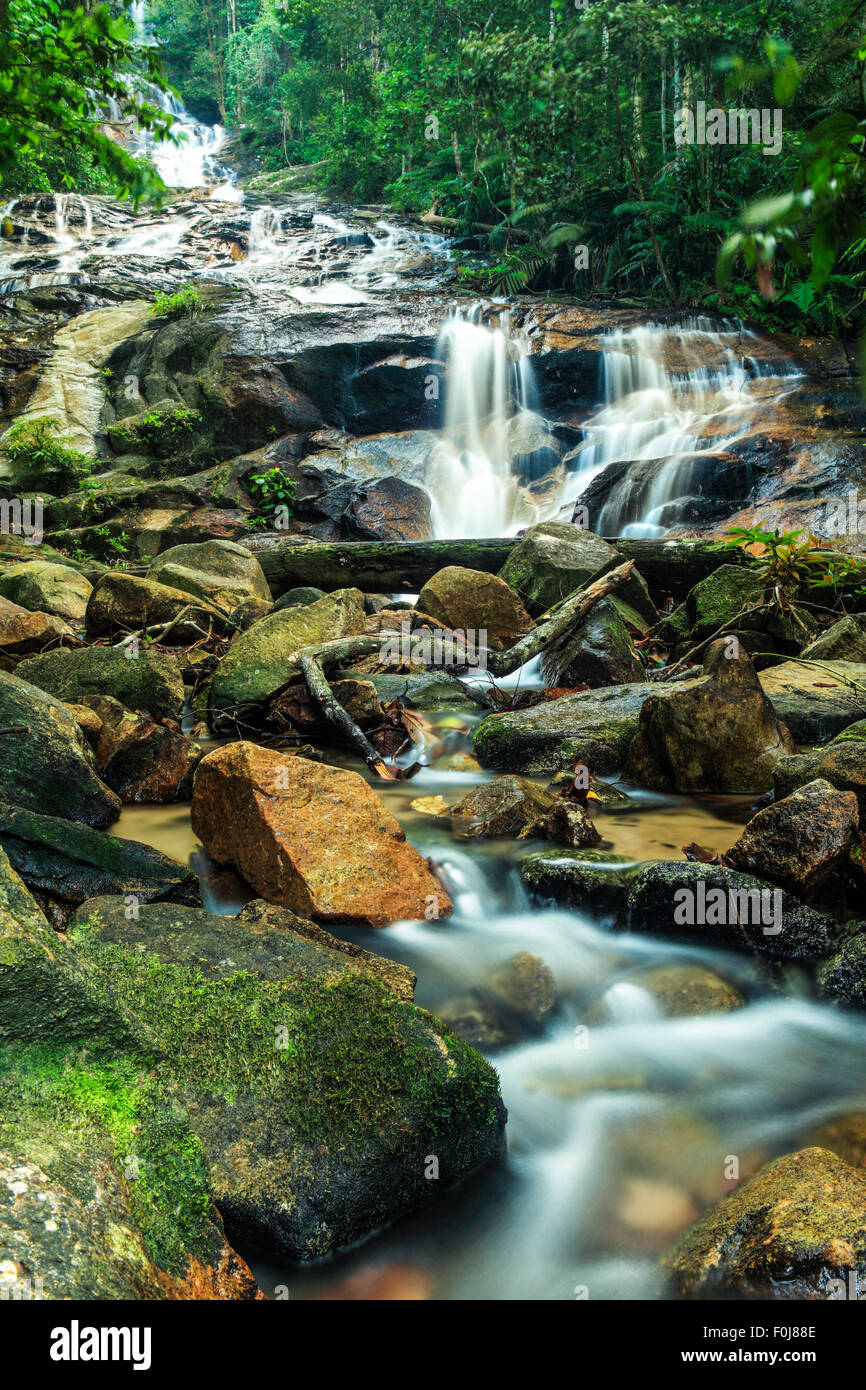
377	567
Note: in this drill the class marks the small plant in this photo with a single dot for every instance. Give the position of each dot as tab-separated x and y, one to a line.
182	304
793	561
272	489
163	432
117	546
38	446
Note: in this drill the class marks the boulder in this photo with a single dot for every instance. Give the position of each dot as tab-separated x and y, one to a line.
298	598
218	572
800	840
150	680
594	881
314	838
295	708
842	977
433	691
45	761
318	1095
815	703
844	641
842	764
387	509
127	603
22	633
718	602
475	602
47	588
516	807
599	653
706	904
138	758
258	663
793	1231
716	733
554	559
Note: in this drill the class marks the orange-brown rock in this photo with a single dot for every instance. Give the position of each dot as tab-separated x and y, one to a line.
312	837
23	632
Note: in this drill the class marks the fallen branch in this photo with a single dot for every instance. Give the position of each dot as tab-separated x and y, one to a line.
568	615
334	712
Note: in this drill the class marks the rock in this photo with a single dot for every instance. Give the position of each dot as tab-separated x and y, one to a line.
707	905
314	838
505	806
593	728
298	598
800	840
387	509
845	641
69	862
793	1231
48	764
46	588
668	991
472	601
22	632
599	653
845	1136
717	602
138	758
126	603
295	708
434	691
815	704
525	987
715	733
219	572
150	681
554	559
843	976
318	1098
593	881
842	764
475	1019
257	663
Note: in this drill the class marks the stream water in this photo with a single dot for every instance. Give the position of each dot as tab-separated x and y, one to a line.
622	1122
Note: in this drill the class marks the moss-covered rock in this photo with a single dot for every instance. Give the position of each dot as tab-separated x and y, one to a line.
842	977
258	663
842	764
320	1102
600	652
473	601
593	881
47	588
845	640
554	559
45	761
150	680
128	603
816	703
800	840
219	572
796	1230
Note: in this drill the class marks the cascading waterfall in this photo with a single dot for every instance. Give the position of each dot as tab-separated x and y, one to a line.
675	397
489	380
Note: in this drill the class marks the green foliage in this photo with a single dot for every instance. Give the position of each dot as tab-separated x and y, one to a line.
792	563
184	303
38	446
272	489
165	433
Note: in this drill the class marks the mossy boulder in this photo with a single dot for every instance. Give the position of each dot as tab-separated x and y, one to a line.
842	977
139	759
709	905
69	862
127	603
816	703
845	640
716	602
149	681
600	652
320	1101
800	840
796	1230
594	881
259	661
45	761
472	601
555	558
716	733
842	763
218	572
47	588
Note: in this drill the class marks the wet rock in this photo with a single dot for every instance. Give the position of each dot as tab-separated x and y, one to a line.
845	641
318	1100
843	976
599	653
714	733
554	559
311	837
22	633
432	691
815	704
46	588
387	509
69	862
219	572
127	603
45	761
298	598
669	991
139	759
530	447
793	1231
150	681
514	806
472	601
842	764
800	840
718	602
258	662
605	793
703	903
475	1018
593	881
295	708
525	987
594	728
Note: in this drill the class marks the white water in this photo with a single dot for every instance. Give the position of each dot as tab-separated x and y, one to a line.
672	396
488	379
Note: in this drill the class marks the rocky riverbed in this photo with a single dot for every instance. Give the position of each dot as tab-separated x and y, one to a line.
413	876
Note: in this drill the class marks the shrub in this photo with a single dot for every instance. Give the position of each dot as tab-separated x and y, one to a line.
38	447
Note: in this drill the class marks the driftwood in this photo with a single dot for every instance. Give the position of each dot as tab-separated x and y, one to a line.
334	712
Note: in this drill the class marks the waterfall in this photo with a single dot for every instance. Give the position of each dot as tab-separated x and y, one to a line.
488	380
675	397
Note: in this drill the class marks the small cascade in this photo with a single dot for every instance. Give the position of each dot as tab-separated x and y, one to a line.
489	381
266	227
675	398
